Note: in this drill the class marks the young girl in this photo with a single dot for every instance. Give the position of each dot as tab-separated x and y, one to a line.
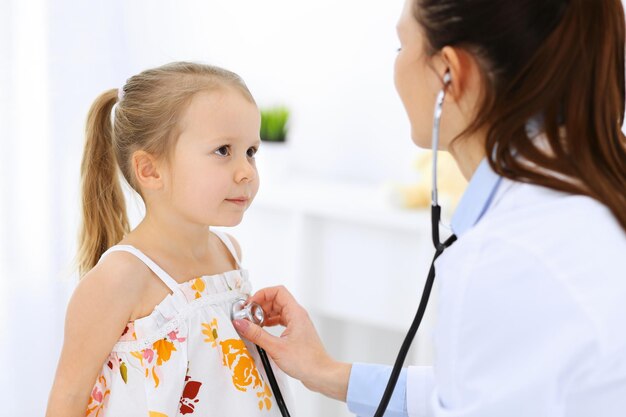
148	329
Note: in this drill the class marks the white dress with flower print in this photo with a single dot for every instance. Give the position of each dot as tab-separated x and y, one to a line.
186	358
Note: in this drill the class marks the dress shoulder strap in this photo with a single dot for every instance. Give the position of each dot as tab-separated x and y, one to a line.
229	244
163	276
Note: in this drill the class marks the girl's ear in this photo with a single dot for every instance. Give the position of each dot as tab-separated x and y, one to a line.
147	170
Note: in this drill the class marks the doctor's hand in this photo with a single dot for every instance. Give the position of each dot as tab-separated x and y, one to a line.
298	351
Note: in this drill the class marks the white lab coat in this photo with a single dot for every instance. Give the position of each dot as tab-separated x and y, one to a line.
534	322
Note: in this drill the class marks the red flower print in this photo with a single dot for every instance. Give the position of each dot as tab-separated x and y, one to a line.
188	400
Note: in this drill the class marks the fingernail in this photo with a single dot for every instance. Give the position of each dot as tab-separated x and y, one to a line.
241	325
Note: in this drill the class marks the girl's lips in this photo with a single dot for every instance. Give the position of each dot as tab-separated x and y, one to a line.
240	201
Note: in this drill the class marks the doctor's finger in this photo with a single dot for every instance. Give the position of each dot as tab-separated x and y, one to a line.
274	300
273	321
258	336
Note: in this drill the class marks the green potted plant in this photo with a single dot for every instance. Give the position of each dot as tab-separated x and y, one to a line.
273	160
274	124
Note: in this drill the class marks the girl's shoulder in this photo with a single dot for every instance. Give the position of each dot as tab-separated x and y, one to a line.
119	275
120	269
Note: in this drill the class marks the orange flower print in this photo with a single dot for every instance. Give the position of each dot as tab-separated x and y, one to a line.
164	349
198	286
264	398
237	358
151	359
99	397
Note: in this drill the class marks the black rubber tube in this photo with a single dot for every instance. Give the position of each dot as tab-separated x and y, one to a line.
419	315
273	383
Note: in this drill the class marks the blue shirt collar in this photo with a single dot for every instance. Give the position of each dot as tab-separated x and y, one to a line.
476	199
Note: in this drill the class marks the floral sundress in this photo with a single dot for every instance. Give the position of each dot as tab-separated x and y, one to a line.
185	358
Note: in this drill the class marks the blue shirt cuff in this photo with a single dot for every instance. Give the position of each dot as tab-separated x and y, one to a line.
366	386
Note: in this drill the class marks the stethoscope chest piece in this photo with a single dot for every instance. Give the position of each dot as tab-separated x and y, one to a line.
251	312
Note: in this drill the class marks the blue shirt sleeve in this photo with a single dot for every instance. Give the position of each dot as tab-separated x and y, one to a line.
366	386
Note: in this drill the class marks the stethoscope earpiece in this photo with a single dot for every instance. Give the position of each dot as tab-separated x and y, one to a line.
447	79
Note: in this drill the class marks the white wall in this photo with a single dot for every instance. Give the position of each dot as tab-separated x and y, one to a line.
330	61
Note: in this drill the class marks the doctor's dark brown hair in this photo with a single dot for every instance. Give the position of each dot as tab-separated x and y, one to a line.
559	61
146	118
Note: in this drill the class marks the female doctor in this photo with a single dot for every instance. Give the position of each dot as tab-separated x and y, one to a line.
532	311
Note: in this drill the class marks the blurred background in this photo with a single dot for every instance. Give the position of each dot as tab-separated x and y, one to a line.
331	220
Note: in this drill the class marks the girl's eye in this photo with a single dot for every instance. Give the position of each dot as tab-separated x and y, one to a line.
252	152
223	150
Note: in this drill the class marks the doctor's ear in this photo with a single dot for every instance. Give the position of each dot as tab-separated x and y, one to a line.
463	72
147	170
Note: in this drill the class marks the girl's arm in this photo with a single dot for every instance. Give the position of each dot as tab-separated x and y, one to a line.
97	314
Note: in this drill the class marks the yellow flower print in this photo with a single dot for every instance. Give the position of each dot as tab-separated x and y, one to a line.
156	414
210	331
139	356
198	286
155	377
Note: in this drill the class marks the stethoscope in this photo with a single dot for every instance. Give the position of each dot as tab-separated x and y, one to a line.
254	313
435	219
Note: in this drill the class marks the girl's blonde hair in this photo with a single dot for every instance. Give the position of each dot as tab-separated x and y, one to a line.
146	118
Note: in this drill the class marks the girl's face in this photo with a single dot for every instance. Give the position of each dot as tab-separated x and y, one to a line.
213	177
416	78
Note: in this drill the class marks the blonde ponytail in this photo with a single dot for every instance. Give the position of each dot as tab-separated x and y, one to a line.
104	219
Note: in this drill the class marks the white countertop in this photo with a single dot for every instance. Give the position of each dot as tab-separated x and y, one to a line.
353	202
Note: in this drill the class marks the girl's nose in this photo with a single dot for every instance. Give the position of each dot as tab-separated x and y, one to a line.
246	170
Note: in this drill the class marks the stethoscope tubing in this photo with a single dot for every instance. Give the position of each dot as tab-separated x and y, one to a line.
273	383
439	248
406	344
